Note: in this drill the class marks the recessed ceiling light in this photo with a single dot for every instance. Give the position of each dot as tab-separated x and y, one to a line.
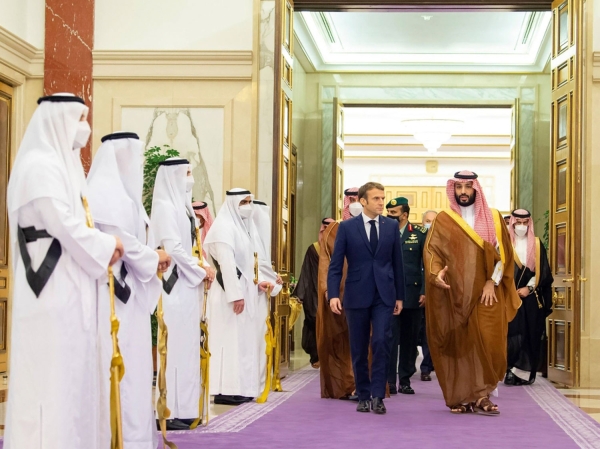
427	17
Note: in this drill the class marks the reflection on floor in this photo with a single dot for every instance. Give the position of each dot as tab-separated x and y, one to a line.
587	399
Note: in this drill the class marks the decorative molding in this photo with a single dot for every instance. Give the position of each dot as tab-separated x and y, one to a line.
20	56
596	66
167	64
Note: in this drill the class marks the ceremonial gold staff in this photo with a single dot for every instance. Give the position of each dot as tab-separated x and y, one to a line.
162	410
269	350
117	368
204	401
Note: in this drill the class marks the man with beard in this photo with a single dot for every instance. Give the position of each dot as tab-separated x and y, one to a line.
533	280
471	296
333	340
307	291
406	326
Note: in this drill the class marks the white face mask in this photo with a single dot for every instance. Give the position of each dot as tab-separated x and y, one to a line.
521	230
189	183
245	210
355	209
427	225
82	134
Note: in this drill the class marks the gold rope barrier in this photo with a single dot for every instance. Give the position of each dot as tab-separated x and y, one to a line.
269	350
204	400
117	368
162	410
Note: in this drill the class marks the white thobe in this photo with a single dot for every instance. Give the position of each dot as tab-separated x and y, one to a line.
135	342
263	312
234	340
182	318
54	383
521	249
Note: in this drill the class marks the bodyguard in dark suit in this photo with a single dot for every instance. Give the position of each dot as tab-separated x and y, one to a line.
406	326
374	291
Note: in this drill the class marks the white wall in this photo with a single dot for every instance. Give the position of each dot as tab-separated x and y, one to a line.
25	18
494	175
173	25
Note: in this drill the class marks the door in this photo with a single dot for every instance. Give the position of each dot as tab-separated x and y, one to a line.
284	182
6	110
337	161
420	199
514	155
566	139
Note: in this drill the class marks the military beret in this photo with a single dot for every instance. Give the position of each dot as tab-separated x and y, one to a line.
396	202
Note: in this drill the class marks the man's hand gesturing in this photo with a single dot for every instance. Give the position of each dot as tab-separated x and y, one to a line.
440	280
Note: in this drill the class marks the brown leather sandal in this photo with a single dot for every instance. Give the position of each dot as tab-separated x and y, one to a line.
461	409
485	407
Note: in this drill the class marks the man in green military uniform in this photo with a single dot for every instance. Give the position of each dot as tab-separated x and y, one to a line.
406	326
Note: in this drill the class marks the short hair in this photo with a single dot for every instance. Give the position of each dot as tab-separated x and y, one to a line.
362	191
426	212
405	208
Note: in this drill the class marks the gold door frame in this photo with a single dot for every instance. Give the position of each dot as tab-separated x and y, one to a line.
6	115
564	325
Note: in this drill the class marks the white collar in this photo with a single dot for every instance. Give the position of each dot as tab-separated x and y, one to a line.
366	219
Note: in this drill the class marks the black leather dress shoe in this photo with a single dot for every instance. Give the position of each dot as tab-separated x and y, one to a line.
393	389
406	389
225	399
426	377
174	424
363	407
512	379
353	397
378	407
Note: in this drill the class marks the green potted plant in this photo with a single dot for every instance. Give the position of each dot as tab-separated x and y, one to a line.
152	158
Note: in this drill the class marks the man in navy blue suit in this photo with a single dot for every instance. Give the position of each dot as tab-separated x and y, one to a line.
374	291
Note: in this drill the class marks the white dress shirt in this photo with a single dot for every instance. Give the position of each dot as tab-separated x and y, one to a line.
368	225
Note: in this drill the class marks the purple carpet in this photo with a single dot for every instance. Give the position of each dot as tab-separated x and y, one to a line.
537	416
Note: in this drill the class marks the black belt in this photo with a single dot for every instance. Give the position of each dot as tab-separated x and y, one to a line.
37	279
168	284
123	292
219	275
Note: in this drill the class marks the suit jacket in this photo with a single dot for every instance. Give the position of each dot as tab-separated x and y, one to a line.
413	243
368	273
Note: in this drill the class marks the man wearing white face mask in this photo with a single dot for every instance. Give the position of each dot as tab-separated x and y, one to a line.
57	258
233	309
533	281
173	224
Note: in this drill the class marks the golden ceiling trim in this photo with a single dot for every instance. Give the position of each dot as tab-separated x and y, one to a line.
419	5
167	64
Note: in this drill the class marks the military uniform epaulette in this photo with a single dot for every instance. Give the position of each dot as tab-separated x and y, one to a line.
422	229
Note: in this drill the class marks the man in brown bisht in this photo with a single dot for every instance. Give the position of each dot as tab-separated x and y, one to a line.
307	291
333	339
471	296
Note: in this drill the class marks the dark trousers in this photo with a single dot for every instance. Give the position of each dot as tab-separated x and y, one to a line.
405	334
427	364
370	324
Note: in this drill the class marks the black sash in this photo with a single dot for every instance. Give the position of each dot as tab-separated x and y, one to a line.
37	279
168	284
219	275
123	292
193	223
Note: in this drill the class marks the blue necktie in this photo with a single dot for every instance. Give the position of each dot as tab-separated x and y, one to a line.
373	236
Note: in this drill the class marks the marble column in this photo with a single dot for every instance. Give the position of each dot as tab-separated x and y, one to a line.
69	39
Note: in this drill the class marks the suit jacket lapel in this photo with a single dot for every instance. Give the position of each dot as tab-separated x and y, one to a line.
363	232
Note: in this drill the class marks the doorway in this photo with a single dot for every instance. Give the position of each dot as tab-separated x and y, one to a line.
556	79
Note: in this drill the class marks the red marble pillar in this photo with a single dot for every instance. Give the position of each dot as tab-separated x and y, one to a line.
69	40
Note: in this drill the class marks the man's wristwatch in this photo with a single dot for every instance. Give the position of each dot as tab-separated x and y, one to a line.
530	289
